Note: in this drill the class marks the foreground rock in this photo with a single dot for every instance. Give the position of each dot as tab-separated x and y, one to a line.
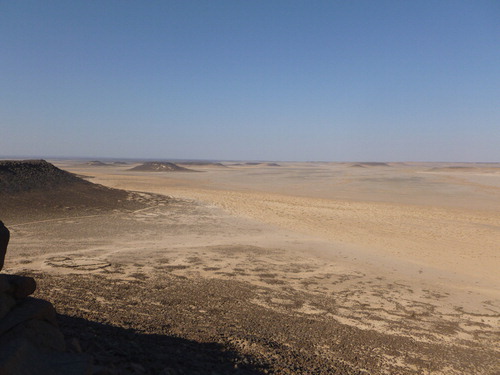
4	241
30	340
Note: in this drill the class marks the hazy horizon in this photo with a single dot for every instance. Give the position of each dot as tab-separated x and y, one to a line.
180	160
275	81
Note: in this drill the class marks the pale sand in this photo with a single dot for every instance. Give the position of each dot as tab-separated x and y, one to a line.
421	222
383	244
450	224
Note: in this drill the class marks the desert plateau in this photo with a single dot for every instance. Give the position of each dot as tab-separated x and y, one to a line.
263	267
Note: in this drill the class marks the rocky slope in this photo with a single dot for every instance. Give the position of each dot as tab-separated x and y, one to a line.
34	189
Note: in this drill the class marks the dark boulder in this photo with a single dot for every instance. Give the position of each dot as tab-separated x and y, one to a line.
4	241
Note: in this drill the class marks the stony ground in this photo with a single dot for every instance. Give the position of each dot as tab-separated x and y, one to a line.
174	325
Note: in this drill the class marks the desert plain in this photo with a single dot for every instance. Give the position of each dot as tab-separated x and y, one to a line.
285	268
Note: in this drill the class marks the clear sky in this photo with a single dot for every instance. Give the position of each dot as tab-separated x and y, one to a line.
256	80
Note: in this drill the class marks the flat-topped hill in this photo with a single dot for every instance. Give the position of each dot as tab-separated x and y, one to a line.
97	163
24	175
156	166
372	164
36	188
203	164
255	164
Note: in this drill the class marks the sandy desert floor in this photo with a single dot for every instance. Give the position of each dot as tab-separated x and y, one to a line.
297	268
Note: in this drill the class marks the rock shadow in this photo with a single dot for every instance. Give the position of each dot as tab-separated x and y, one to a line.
120	351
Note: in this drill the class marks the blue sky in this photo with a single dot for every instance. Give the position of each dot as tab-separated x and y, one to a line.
254	80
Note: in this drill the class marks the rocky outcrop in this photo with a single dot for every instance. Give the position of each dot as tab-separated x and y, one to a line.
30	340
27	175
32	190
4	241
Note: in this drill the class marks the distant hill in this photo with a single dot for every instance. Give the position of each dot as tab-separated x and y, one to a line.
372	164
155	166
254	164
203	164
97	163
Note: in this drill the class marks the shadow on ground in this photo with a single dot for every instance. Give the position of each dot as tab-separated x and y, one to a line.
118	351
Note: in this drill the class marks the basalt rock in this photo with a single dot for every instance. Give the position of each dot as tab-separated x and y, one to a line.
4	241
30	340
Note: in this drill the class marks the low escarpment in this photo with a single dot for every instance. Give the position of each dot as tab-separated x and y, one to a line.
18	176
205	164
35	189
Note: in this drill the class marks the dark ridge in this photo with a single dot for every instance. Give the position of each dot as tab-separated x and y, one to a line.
357	166
35	189
154	166
253	164
24	175
203	164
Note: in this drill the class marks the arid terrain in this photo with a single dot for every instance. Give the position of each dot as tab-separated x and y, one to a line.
280	268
